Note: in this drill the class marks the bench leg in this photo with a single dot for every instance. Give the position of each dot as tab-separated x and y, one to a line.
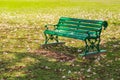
50	37
92	47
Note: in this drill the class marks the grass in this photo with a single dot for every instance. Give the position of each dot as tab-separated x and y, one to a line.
21	33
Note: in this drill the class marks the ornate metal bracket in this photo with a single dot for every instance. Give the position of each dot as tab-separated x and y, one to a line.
92	45
50	37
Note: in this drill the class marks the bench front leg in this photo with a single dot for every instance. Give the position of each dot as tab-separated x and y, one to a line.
50	37
92	46
46	39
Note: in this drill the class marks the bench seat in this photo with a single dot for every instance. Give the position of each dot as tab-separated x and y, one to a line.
71	34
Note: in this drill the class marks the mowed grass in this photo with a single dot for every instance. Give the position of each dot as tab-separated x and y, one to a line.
21	34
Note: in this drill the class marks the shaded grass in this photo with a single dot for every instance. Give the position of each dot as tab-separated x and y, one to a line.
21	33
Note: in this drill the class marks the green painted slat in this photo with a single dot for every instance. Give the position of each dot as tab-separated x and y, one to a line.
69	22
66	28
90	25
68	25
89	28
91	21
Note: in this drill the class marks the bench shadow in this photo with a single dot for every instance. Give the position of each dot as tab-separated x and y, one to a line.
112	46
59	52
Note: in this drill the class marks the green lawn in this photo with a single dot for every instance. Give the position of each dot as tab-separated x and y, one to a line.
21	34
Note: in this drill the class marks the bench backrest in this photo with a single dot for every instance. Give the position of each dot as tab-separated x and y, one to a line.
66	23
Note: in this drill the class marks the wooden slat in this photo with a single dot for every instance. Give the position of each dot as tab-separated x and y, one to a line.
69	22
68	25
66	28
90	25
91	21
89	28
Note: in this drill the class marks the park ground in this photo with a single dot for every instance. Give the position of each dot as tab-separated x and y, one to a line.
21	34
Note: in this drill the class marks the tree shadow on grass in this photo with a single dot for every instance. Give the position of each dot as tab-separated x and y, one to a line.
31	66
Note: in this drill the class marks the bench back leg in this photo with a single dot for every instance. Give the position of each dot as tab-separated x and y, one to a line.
98	44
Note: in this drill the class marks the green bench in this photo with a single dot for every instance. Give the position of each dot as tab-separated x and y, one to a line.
86	30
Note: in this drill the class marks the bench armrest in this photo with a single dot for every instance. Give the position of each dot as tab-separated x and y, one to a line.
46	26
